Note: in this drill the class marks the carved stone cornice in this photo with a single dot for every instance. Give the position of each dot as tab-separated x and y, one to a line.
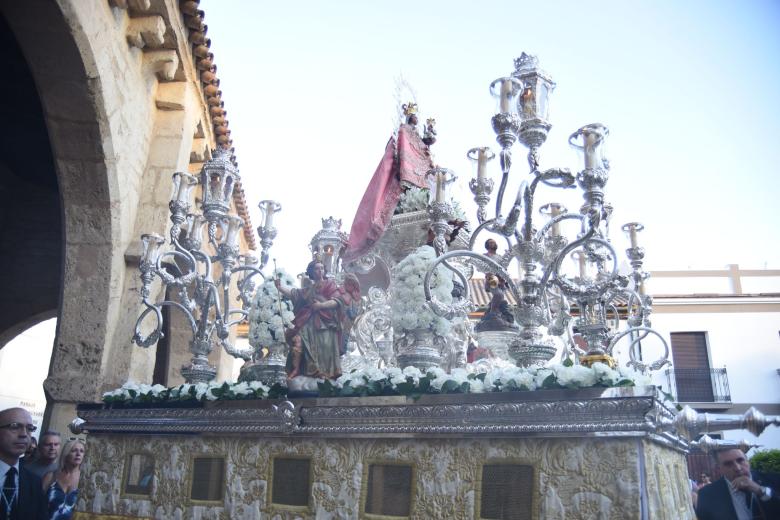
151	28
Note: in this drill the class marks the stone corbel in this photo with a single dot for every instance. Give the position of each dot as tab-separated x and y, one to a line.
170	96
140	5
133	253
146	31
163	62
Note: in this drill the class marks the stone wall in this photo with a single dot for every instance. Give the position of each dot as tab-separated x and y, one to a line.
125	105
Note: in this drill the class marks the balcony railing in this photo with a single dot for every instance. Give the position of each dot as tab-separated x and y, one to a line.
699	385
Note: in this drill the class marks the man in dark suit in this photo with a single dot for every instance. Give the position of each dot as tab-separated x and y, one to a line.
22	496
740	494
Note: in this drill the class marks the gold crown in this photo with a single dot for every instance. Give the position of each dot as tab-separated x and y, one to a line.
409	108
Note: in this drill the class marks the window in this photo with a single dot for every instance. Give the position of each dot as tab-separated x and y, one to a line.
208	479
291	481
693	379
506	492
139	474
389	490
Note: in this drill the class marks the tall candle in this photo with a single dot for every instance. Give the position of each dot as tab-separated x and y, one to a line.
481	163
632	235
590	138
439	186
580	256
555	210
506	95
269	214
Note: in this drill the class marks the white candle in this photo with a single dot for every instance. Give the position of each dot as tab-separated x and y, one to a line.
555	210
632	235
269	214
439	186
579	256
481	163
589	139
506	95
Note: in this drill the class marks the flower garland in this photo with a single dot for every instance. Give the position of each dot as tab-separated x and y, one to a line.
410	381
138	393
408	306
477	379
270	314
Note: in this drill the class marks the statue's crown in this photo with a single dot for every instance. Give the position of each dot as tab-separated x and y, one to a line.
409	108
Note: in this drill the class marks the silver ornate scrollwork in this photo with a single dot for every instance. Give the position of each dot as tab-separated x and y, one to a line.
371	333
200	281
549	302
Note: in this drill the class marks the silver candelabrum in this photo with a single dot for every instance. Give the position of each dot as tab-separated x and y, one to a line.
545	295
198	277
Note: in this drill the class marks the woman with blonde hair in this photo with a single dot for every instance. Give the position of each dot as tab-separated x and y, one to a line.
62	486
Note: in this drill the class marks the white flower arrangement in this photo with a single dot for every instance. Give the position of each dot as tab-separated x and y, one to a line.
412	199
409	308
476	378
270	314
139	393
417	199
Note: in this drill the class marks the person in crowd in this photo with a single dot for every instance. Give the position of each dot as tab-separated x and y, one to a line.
491	248
29	454
22	496
741	494
62	485
704	479
46	457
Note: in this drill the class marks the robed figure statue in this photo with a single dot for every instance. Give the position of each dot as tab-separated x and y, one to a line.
323	314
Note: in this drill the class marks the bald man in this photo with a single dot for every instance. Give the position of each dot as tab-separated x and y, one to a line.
22	496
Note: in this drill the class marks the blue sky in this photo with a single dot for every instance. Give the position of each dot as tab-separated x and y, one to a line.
688	90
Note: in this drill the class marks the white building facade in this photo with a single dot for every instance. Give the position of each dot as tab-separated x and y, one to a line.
723	327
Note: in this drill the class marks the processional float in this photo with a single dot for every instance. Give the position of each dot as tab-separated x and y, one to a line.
416	318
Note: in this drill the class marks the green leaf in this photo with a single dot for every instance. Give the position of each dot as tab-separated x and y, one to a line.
450	386
550	382
278	391
325	388
568	362
405	388
374	388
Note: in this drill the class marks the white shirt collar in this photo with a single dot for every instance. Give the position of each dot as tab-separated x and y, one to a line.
4	467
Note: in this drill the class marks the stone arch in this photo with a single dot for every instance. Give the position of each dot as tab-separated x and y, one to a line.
124	106
30	222
64	71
